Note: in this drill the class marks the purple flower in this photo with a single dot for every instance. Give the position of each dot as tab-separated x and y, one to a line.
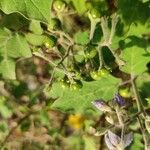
119	99
101	105
114	142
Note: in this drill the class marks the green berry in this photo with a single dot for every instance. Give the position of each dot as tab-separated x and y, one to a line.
76	85
64	84
49	42
94	13
90	53
103	72
125	92
59	5
95	75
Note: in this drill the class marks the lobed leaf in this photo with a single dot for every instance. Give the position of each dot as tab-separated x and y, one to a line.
32	9
80	100
12	46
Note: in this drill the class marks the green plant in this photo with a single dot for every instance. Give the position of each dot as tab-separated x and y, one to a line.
57	57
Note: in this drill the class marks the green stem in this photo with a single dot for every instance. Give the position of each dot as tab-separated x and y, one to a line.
101	59
93	26
137	96
105	29
41	55
113	27
118	60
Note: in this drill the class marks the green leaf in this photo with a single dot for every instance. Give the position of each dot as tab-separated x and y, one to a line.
35	27
12	46
135	55
143	83
134	10
74	142
90	143
34	39
14	21
44	118
32	9
138	29
80	100
81	38
7	69
4	110
137	142
80	6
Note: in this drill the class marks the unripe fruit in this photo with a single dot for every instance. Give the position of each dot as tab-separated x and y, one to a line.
95	75
49	42
59	5
94	13
125	92
64	84
103	72
76	85
90	53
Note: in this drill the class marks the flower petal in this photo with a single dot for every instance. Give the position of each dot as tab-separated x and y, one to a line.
108	143
114	139
128	138
120	100
101	105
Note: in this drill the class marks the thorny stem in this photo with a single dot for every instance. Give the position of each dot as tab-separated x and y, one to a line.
121	122
61	33
108	38
127	121
140	109
146	145
119	116
93	25
114	22
41	55
101	60
118	60
137	96
105	29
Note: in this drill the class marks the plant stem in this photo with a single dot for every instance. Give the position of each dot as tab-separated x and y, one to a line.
41	55
101	59
146	145
93	25
105	29
137	96
113	27
119	116
118	60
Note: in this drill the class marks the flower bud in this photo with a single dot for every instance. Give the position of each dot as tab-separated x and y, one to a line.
109	119
119	100
101	105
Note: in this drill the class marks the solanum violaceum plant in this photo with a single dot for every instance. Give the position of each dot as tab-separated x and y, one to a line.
82	53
